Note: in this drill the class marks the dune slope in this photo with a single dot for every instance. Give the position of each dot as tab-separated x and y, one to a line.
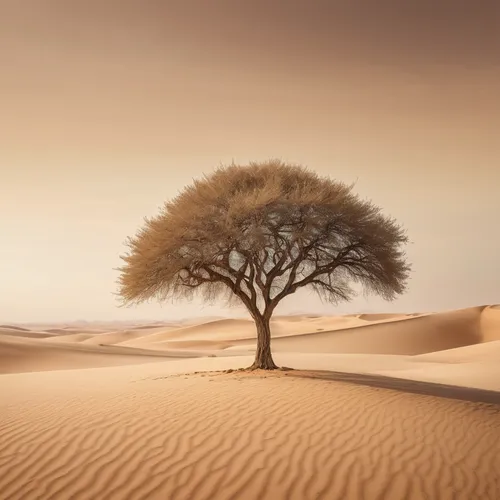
34	355
408	335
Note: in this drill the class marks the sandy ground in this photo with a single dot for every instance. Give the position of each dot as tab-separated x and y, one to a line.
378	407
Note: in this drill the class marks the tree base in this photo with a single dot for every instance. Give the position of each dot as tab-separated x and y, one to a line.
264	364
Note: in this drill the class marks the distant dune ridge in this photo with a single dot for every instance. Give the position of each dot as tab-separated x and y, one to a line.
90	412
394	334
12	327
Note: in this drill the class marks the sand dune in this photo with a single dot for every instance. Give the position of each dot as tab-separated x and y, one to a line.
119	337
387	334
490	323
155	325
380	316
225	330
92	435
70	337
489	351
410	335
212	330
58	331
12	327
33	355
201	345
15	332
71	331
234	331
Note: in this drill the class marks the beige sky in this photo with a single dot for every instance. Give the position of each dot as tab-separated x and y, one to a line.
109	108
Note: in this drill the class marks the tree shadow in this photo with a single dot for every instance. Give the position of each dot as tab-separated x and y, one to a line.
404	385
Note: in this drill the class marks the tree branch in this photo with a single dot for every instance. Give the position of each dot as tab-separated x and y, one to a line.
291	286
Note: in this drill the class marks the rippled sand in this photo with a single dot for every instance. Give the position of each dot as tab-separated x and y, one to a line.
244	435
133	420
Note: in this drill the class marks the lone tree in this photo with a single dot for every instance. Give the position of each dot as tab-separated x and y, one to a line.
256	234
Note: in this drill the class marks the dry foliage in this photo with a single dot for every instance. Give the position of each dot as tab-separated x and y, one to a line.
258	233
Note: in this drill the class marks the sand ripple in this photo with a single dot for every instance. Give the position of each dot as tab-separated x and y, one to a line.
239	436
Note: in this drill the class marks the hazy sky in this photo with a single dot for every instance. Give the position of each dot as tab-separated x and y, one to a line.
108	108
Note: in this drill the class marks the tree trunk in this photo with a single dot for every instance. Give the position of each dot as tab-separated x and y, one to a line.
263	357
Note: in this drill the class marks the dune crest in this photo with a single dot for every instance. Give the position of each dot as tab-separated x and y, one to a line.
13	327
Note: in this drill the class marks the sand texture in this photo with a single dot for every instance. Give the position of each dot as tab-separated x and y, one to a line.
378	407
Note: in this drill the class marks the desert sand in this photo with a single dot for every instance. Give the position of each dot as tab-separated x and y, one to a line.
378	406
